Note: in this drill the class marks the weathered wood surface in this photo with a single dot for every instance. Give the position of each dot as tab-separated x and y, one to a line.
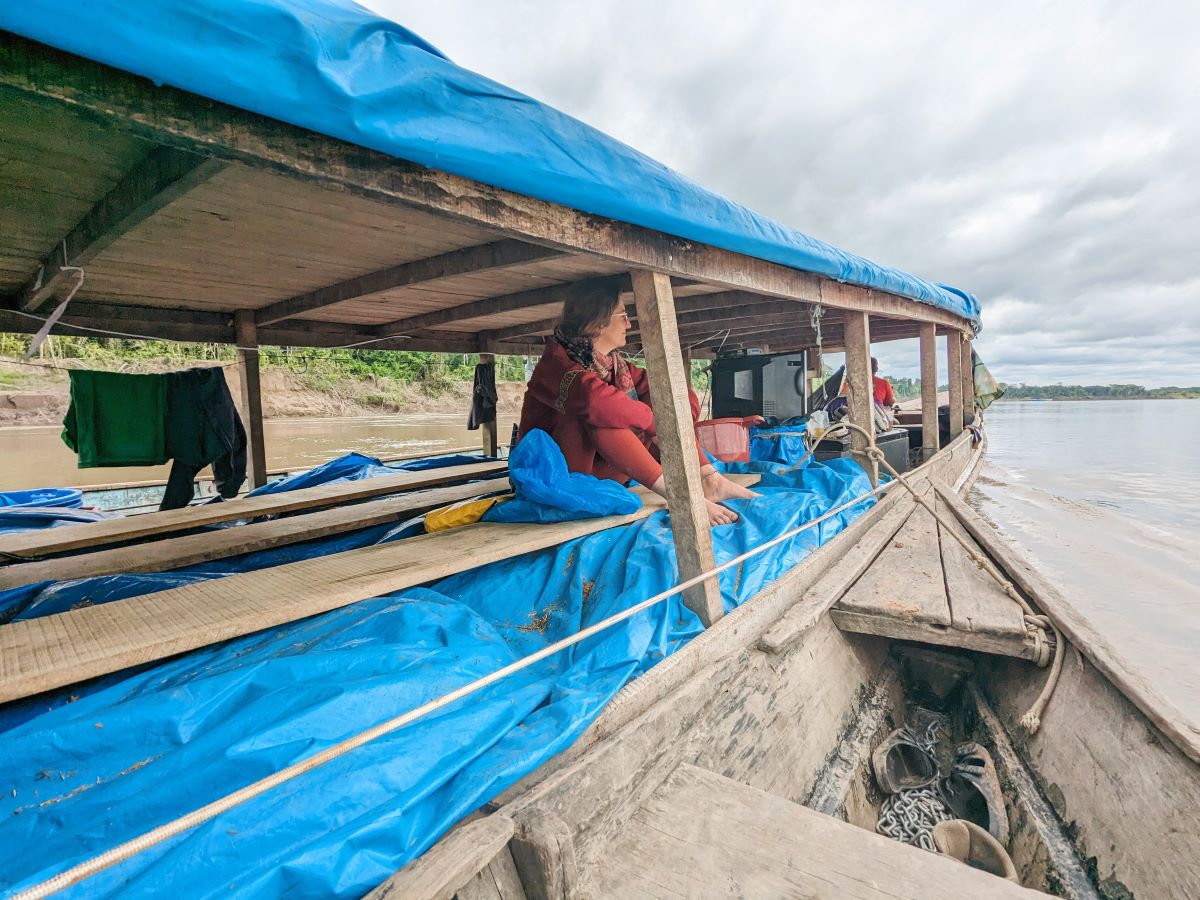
1039	846
977	602
40	654
1174	724
702	835
489	431
737	632
954	374
1128	796
766	721
929	391
186	550
906	581
498	881
452	863
90	535
246	335
543	850
902	629
677	442
860	391
163	176
178	118
480	258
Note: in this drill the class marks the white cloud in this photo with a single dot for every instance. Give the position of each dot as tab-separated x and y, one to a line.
1044	156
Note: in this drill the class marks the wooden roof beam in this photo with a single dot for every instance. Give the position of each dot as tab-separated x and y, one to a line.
162	177
475	260
689	303
555	293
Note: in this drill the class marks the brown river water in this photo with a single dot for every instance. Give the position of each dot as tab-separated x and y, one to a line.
1103	496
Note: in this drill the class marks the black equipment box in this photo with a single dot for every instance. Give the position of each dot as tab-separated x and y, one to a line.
894	445
759	385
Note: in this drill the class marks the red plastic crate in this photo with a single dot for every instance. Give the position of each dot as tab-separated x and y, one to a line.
726	439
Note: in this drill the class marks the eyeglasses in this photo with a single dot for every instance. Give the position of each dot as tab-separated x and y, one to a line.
621	315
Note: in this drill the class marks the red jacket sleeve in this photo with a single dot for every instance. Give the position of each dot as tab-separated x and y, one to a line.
642	382
583	395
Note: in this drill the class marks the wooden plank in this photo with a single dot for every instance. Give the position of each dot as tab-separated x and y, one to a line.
968	377
705	672
977	602
902	629
558	293
677	442
488	430
165	175
859	390
451	863
842	575
173	116
186	550
954	368
246	335
499	881
91	535
929	391
1141	692
41	654
486	257
702	835
906	581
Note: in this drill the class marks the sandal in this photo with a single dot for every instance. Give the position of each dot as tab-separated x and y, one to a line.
972	791
901	763
968	843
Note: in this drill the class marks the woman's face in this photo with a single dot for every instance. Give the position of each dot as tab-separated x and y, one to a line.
612	333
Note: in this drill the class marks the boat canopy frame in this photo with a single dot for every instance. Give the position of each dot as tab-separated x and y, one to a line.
162	214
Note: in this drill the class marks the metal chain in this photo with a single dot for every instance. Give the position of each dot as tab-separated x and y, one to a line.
909	817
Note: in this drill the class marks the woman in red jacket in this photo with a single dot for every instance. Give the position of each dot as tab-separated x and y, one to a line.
596	405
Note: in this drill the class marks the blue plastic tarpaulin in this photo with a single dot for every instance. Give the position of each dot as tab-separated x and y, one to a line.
85	768
333	67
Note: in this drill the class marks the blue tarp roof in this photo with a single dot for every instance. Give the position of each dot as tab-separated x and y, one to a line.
332	67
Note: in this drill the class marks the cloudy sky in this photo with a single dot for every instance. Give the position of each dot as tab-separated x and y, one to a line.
1044	156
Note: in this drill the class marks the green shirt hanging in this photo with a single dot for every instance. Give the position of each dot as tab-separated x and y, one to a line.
116	419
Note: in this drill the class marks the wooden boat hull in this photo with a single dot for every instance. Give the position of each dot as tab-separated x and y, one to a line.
777	699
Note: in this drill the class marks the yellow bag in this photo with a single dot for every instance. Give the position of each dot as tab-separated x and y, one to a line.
464	512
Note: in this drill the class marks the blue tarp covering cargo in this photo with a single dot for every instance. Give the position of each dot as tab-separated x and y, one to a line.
88	767
332	67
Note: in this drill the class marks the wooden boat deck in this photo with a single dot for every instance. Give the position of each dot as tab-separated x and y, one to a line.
89	536
923	586
40	654
703	835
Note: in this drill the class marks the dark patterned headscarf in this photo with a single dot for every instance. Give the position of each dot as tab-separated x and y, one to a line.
612	368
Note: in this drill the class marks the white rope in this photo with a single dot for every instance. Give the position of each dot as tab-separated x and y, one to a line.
130	848
44	331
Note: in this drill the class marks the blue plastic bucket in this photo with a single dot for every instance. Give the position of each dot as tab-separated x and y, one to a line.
71	498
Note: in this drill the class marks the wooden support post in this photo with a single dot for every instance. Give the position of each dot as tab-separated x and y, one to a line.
815	363
677	441
860	390
488	430
954	372
929	390
968	374
246	335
